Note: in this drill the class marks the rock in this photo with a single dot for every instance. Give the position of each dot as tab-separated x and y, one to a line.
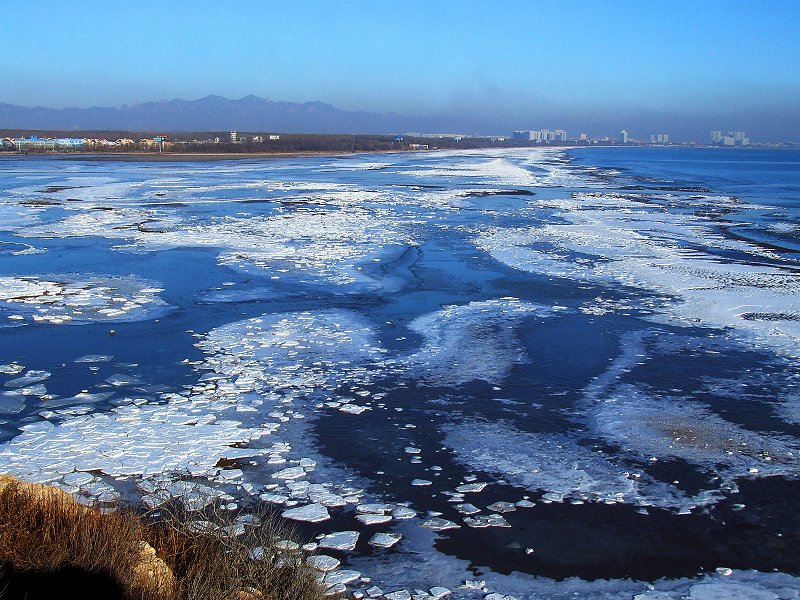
152	574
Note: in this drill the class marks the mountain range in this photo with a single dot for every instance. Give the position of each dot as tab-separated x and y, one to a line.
214	113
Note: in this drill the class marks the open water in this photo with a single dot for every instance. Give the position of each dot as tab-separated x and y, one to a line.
543	373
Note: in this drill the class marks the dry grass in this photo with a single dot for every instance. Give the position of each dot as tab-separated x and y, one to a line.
42	530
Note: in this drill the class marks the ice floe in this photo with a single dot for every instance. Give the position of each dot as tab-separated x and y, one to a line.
79	299
471	341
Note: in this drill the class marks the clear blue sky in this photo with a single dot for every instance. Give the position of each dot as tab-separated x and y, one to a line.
507	58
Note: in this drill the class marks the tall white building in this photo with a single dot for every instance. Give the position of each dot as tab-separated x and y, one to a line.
623	137
234	136
716	137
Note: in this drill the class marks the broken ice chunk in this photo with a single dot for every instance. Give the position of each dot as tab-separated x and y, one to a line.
290	473
471	487
486	521
341	540
375	509
502	507
341	577
467	509
403	512
311	513
29	378
385	540
373	519
439	524
322	562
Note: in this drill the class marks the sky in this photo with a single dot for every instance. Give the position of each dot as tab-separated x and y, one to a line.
715	64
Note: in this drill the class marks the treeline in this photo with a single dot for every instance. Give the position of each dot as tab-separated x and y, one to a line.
204	142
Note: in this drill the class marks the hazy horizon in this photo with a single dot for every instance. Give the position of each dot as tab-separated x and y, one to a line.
680	68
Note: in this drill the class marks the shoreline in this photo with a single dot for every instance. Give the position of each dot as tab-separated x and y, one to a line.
192	156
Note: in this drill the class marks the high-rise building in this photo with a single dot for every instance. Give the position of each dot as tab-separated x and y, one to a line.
623	137
234	135
716	137
559	135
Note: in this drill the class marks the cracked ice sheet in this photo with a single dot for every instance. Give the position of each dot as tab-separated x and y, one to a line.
296	352
130	440
191	433
327	243
471	341
80	299
626	244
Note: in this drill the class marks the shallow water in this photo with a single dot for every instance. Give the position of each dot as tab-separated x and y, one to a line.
602	341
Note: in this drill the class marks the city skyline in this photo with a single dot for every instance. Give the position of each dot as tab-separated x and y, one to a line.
681	67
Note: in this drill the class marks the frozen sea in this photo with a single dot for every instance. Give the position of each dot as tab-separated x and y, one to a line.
531	373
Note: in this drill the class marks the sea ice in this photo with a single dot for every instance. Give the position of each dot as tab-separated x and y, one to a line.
385	540
341	540
312	513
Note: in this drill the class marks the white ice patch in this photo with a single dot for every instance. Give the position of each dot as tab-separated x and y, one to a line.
668	427
620	241
129	440
472	341
557	465
302	352
328	242
526	168
58	299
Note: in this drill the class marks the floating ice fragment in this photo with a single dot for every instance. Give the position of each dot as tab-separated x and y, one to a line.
502	507
375	509
342	577
467	509
322	562
385	540
438	524
398	595
373	519
94	358
486	521
421	482
11	369
290	473
353	409
341	540
312	513
403	512
470	488
438	592
28	379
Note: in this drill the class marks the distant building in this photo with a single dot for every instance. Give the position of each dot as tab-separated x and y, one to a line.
731	138
47	143
234	135
584	137
274	137
559	135
623	137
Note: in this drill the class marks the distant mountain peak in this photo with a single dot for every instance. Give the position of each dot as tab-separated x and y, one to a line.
215	113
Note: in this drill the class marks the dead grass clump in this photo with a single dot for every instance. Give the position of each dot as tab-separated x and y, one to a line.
43	530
